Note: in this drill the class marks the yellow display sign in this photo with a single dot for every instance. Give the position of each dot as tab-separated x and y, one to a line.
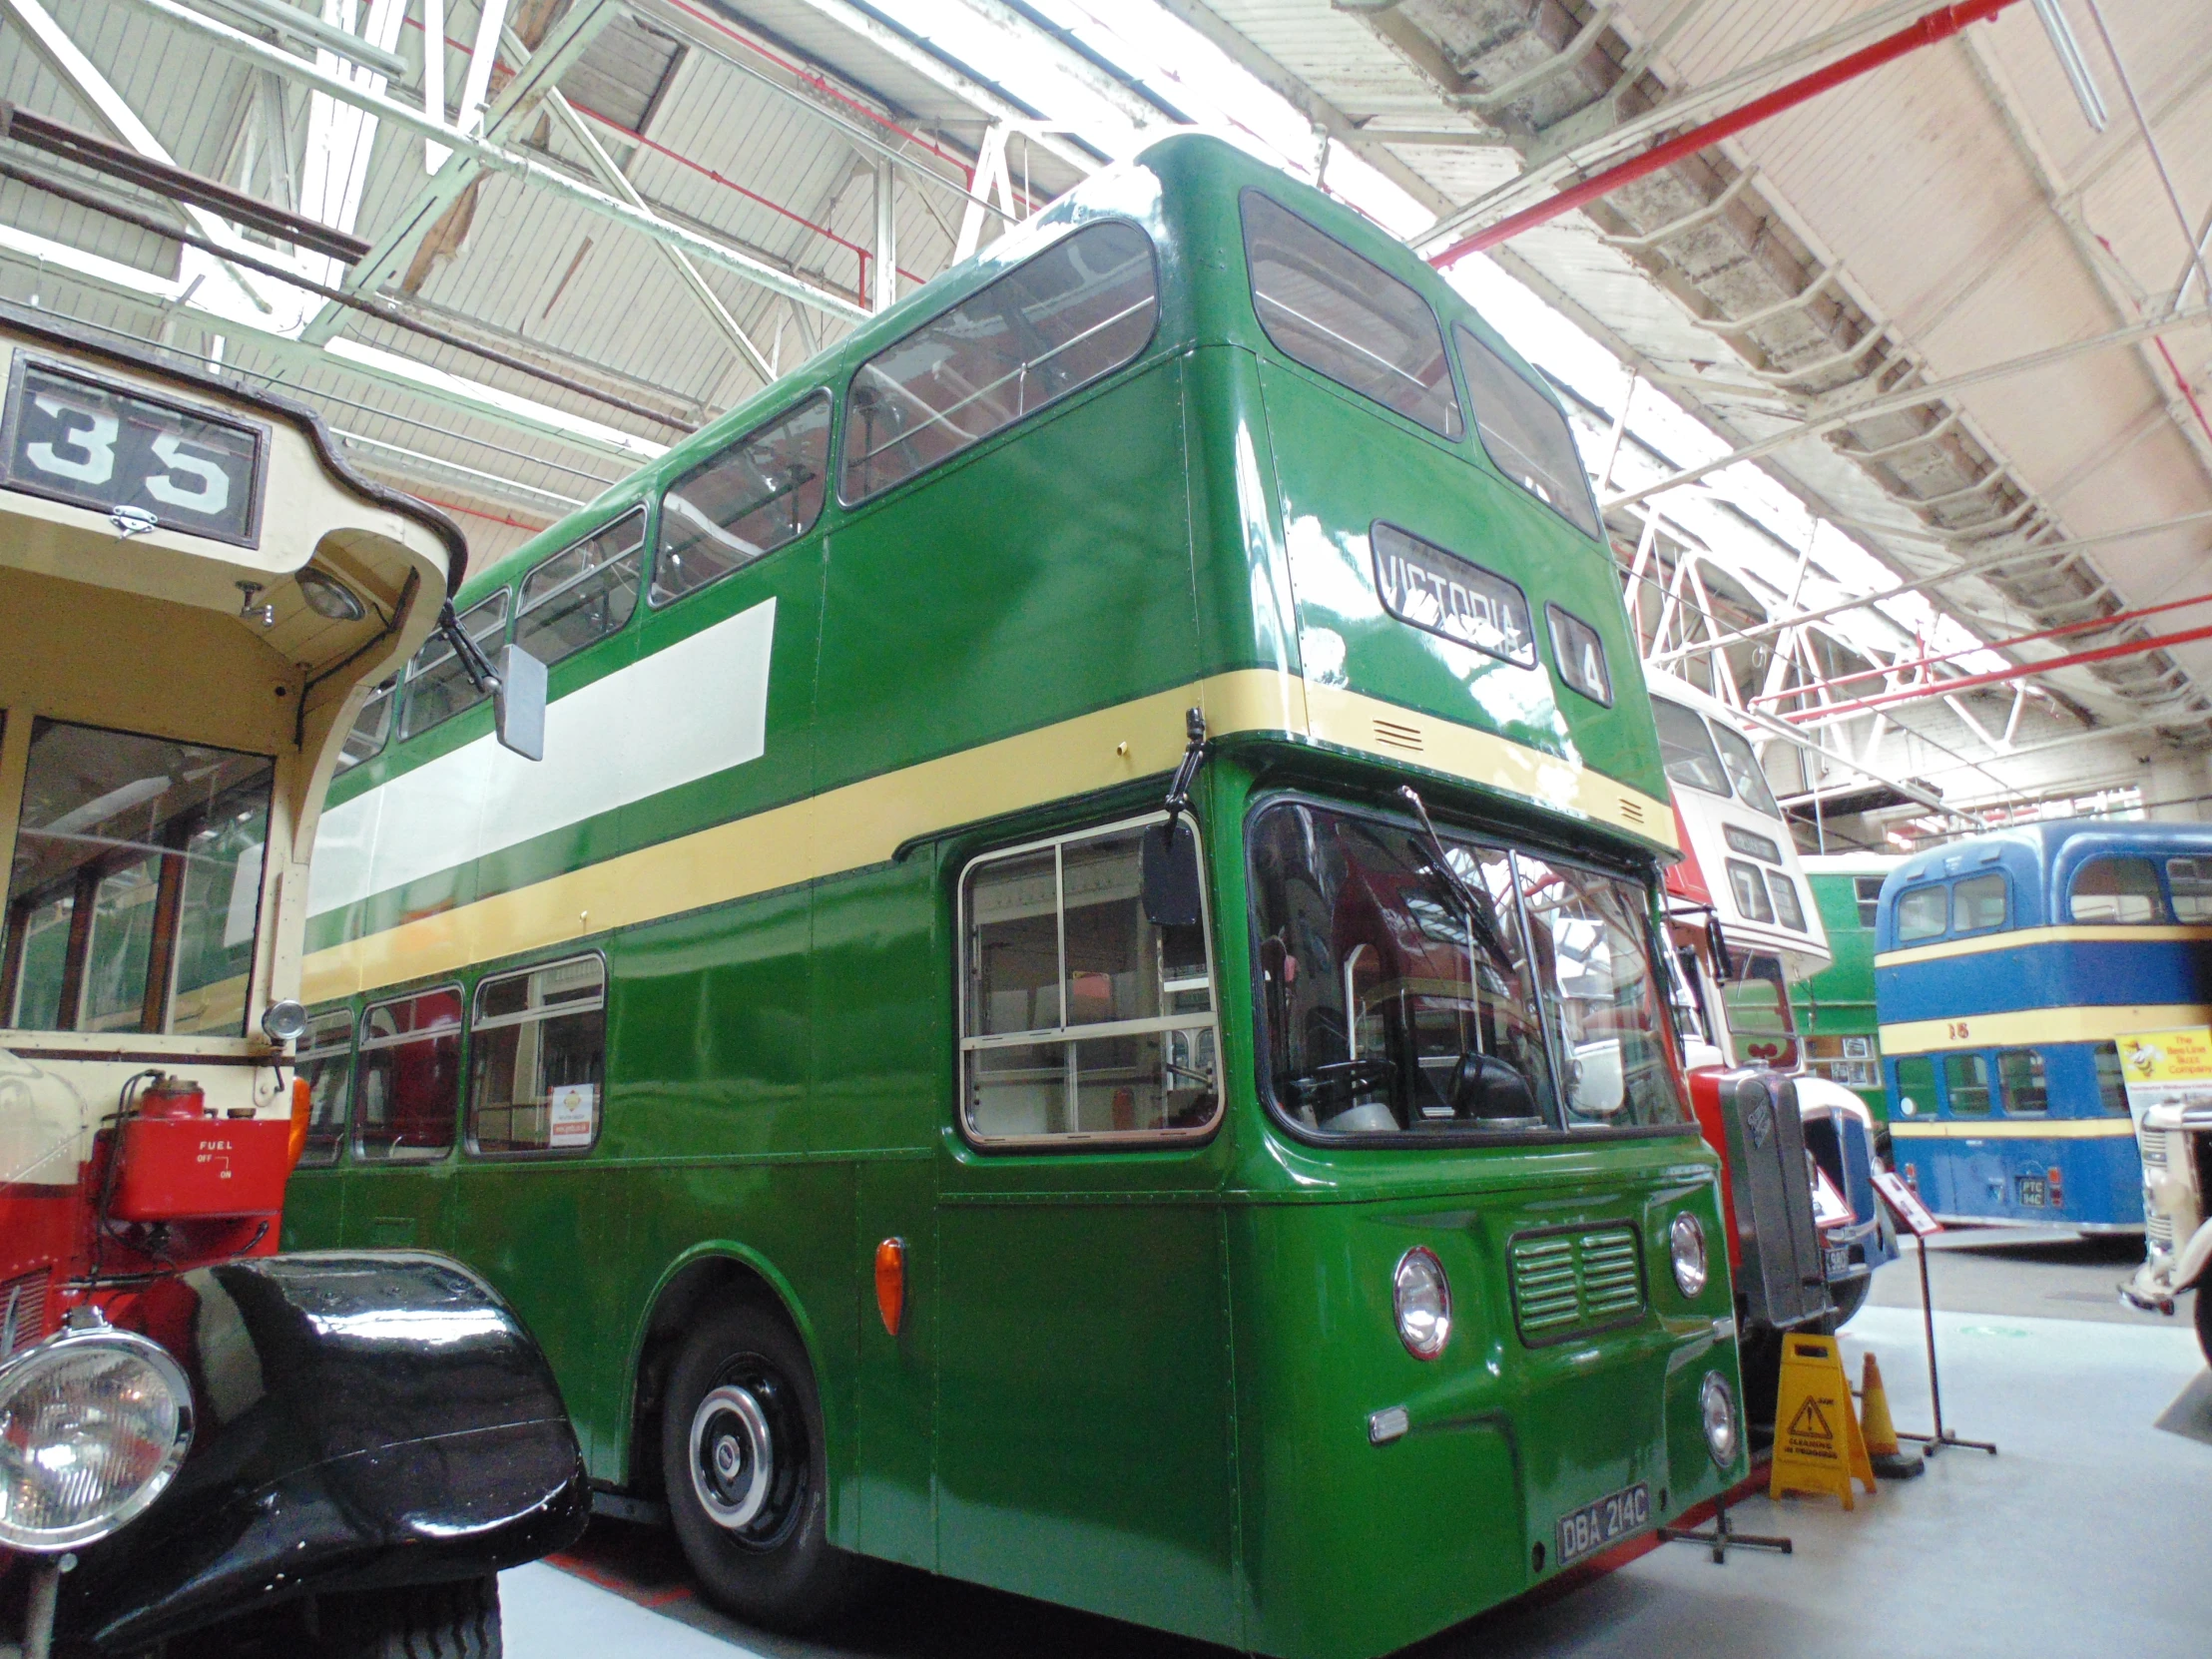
2183	1056
1817	1443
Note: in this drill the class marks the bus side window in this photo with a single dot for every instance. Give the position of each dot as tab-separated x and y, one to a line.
1978	903
2111	1080
370	726
1866	889
2020	1070
538	1059
1916	1086
2117	889
437	686
1923	914
409	1077
327	1062
1057	321
1081	1016
582	593
761	492
1966	1082
2191	881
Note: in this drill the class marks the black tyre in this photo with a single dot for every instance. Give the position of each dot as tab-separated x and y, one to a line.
744	1471
1849	1297
2204	1318
456	1620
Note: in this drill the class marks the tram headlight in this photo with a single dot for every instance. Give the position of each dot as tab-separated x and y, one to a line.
92	1425
1717	1407
1686	1242
1422	1295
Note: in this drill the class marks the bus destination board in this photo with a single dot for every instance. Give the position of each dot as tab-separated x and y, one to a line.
141	460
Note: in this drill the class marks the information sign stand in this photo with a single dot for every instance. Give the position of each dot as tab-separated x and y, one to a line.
1910	1214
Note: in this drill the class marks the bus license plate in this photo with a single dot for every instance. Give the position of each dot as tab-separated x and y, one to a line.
1838	1260
1606	1522
2031	1191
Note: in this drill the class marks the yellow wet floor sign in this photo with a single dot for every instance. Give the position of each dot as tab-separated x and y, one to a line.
1817	1443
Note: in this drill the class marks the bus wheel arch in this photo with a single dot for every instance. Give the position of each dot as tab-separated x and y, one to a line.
702	1280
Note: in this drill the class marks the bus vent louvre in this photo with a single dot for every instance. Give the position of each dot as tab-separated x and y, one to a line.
1571	1282
2160	1230
2154	1148
1632	810
1393	734
23	1311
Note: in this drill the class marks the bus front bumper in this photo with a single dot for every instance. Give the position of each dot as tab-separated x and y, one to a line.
367	1419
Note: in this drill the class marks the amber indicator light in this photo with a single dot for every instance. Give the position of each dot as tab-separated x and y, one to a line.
890	1283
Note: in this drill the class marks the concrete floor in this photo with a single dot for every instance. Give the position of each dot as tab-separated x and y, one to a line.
2088	1535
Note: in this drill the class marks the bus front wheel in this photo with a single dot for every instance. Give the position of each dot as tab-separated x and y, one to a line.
744	1468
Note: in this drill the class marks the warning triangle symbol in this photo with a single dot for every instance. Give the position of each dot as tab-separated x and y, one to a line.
1810	1422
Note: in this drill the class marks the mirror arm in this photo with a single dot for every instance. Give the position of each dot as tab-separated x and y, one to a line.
1194	756
474	662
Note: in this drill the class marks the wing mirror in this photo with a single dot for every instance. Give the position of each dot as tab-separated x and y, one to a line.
1170	873
518	705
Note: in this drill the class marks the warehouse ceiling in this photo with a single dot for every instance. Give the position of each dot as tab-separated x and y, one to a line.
1960	328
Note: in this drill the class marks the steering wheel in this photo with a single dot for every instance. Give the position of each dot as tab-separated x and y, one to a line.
1347	1079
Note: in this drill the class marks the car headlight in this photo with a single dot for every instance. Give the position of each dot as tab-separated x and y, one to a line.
1717	1407
93	1424
1423	1297
1686	1243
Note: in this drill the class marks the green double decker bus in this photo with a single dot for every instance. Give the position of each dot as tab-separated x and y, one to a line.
908	1136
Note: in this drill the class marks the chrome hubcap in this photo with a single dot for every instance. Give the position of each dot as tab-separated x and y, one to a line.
733	1457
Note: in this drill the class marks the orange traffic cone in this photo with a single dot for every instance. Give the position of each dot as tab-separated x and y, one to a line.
1891	1460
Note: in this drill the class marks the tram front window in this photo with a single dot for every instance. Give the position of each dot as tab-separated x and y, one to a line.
1405	999
136	889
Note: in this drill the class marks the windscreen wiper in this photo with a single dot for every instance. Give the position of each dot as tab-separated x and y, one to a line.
1478	913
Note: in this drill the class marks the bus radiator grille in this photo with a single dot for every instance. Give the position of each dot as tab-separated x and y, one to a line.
1571	1282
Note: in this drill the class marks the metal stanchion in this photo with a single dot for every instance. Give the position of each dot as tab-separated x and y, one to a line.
1722	1536
1943	1436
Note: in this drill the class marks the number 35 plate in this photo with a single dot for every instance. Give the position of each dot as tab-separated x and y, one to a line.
1606	1522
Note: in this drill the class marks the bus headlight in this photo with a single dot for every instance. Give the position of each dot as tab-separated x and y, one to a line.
93	1424
1717	1406
1686	1242
1423	1297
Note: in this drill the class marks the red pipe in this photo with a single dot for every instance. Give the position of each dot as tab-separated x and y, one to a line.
2087	625
1948	688
1938	25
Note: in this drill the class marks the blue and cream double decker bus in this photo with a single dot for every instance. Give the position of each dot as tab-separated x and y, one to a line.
2006	968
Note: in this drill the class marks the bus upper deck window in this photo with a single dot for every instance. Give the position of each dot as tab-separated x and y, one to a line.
1686	747
1744	771
581	593
2020	1071
437	686
1785	905
1749	892
1525	434
1978	903
1866	891
2191	882
1082	1018
137	886
407	1082
761	492
2117	889
1923	913
1966	1082
1347	318
327	1062
1055	322
366	739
